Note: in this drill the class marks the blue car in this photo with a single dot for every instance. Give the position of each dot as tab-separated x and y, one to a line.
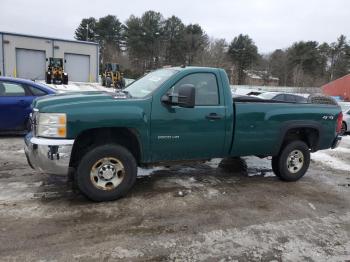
16	96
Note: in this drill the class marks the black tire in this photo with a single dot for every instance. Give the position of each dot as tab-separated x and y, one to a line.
343	129
65	80
48	79
84	180
322	99
108	82
274	164
280	165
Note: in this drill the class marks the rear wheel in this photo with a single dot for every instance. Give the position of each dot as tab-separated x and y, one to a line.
343	129
292	162
106	173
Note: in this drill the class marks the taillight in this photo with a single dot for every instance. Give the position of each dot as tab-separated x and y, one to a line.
339	122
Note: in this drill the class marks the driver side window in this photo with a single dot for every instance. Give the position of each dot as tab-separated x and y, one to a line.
205	84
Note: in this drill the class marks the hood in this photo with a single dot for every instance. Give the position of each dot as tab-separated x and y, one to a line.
72	98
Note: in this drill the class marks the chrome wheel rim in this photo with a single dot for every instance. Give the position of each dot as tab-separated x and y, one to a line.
107	173
295	161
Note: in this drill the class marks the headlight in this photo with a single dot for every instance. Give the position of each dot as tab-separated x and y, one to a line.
52	125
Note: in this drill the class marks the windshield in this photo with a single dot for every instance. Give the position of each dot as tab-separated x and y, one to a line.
112	67
56	62
150	82
267	95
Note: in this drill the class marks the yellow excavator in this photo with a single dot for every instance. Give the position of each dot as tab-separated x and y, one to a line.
112	76
55	73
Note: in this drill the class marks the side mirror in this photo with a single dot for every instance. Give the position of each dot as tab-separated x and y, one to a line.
185	98
187	95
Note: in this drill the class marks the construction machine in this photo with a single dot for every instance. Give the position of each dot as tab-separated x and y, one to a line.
55	73
112	76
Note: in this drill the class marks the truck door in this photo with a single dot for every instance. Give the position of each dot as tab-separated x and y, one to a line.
179	133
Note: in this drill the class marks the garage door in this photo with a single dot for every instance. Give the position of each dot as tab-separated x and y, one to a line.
77	67
31	64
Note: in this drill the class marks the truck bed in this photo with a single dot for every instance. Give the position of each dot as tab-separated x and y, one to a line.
260	125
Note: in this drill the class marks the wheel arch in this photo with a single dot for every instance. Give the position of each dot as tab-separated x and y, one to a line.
127	137
310	132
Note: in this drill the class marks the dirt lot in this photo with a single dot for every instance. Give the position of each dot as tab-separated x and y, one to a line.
194	212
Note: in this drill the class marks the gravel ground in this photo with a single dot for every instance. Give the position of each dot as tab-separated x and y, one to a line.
193	212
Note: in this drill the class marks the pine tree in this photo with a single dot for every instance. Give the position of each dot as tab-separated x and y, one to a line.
243	53
86	30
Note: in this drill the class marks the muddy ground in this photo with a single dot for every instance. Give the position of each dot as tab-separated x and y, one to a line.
193	212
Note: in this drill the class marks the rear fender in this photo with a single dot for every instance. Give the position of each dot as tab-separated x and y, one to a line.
299	124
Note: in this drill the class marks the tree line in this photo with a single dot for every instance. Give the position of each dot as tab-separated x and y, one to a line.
151	41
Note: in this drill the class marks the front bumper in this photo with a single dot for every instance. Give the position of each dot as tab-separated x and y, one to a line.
336	142
51	156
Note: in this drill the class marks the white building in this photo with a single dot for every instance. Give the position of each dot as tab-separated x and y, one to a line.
27	56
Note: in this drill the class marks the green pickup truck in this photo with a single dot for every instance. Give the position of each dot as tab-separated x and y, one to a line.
170	115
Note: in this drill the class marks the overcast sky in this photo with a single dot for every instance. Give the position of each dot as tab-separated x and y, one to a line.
270	23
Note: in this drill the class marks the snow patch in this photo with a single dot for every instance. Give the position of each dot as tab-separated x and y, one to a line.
288	238
330	161
259	166
342	150
149	171
312	206
213	163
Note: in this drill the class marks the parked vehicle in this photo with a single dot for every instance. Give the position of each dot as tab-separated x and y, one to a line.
283	97
171	115
244	98
16	97
55	72
112	76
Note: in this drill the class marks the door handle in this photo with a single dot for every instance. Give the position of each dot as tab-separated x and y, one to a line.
213	116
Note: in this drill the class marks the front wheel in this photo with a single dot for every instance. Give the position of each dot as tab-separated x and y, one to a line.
107	172
292	162
65	80
108	82
48	79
